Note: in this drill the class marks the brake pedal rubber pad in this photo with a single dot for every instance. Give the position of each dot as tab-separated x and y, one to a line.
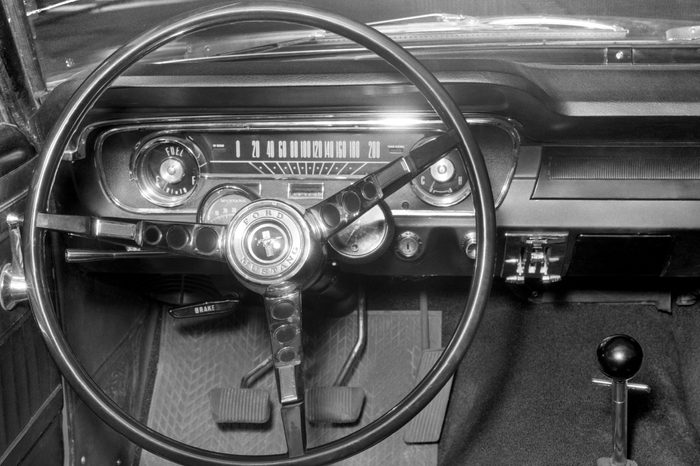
336	405
426	427
239	405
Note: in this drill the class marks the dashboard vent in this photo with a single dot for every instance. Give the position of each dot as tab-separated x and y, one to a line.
631	172
642	167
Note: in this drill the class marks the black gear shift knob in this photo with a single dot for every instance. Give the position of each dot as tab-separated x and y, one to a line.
619	357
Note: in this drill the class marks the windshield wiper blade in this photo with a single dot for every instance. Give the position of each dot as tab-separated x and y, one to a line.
436	17
556	21
304	40
549	27
508	21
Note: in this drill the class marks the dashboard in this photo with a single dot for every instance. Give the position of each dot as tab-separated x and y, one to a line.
592	175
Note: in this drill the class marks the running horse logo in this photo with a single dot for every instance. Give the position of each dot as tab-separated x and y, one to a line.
271	244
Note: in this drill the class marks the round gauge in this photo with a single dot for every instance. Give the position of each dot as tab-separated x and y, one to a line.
221	204
444	183
366	238
166	169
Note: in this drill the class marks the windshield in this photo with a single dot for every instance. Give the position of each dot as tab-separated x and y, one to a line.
75	35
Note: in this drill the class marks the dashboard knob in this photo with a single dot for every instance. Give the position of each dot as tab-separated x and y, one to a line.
172	171
469	245
620	357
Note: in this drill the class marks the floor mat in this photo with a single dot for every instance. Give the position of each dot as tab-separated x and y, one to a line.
196	357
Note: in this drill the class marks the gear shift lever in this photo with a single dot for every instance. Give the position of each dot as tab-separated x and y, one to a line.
619	357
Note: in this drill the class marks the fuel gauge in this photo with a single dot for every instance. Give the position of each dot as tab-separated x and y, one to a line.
167	170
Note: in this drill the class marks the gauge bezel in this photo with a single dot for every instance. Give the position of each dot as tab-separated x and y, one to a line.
146	187
221	191
384	244
443	200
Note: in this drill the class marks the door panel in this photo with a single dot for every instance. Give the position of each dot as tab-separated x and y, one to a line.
31	398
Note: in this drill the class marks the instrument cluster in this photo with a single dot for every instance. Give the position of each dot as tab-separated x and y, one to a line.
208	171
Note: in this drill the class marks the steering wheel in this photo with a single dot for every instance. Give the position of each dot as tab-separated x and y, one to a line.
281	270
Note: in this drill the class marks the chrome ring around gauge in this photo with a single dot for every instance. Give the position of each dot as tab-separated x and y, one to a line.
222	203
445	183
367	238
166	169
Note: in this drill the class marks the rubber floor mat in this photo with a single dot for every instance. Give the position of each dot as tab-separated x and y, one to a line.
196	357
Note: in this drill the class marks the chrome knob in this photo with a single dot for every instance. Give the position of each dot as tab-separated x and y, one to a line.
172	171
469	245
442	171
13	287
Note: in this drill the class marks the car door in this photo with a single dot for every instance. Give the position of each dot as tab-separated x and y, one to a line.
31	396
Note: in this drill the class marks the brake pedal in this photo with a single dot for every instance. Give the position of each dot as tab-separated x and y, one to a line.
426	427
336	405
239	405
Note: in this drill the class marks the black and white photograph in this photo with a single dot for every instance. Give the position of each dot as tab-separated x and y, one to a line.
356	233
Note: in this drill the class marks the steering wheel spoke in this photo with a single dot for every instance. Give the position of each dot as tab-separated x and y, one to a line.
344	207
181	238
283	310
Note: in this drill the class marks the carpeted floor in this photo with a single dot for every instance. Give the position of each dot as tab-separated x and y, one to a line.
523	394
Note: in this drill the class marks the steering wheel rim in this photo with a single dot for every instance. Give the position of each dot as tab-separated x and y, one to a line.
94	87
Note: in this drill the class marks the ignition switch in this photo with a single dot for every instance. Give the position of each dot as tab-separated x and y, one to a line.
409	245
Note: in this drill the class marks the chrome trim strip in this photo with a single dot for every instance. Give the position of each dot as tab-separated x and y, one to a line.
288	123
403	213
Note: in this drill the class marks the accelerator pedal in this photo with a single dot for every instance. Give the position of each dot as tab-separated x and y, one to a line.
426	427
334	405
239	405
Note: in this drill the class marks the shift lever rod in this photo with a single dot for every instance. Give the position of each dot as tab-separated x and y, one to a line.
620	357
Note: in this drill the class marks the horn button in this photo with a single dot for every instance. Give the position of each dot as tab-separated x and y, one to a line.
269	242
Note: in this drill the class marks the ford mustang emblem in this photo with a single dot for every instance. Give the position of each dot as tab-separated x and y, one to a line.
272	245
268	243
